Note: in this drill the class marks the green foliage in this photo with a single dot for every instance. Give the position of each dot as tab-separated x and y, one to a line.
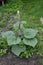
31	42
3	52
10	25
41	62
17	49
31	11
20	38
3	46
3	19
30	33
2	24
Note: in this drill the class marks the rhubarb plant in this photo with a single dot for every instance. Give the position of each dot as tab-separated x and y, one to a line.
20	38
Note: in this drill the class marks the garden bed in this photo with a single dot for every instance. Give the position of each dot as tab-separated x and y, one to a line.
10	59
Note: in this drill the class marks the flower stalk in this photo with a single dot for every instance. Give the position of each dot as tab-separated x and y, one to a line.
19	32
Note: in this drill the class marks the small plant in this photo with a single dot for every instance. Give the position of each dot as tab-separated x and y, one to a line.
3	46
21	40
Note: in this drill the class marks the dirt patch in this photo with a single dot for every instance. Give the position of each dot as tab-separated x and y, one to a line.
11	59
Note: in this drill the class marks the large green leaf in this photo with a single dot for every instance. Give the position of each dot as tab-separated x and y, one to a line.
30	33
31	42
7	34
12	40
16	49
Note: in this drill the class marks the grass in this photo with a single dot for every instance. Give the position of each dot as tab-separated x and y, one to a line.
31	11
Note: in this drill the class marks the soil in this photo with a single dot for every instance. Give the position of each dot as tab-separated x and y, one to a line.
10	59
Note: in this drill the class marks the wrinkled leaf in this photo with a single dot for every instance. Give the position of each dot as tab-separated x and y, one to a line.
31	42
7	34
30	33
12	40
16	49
